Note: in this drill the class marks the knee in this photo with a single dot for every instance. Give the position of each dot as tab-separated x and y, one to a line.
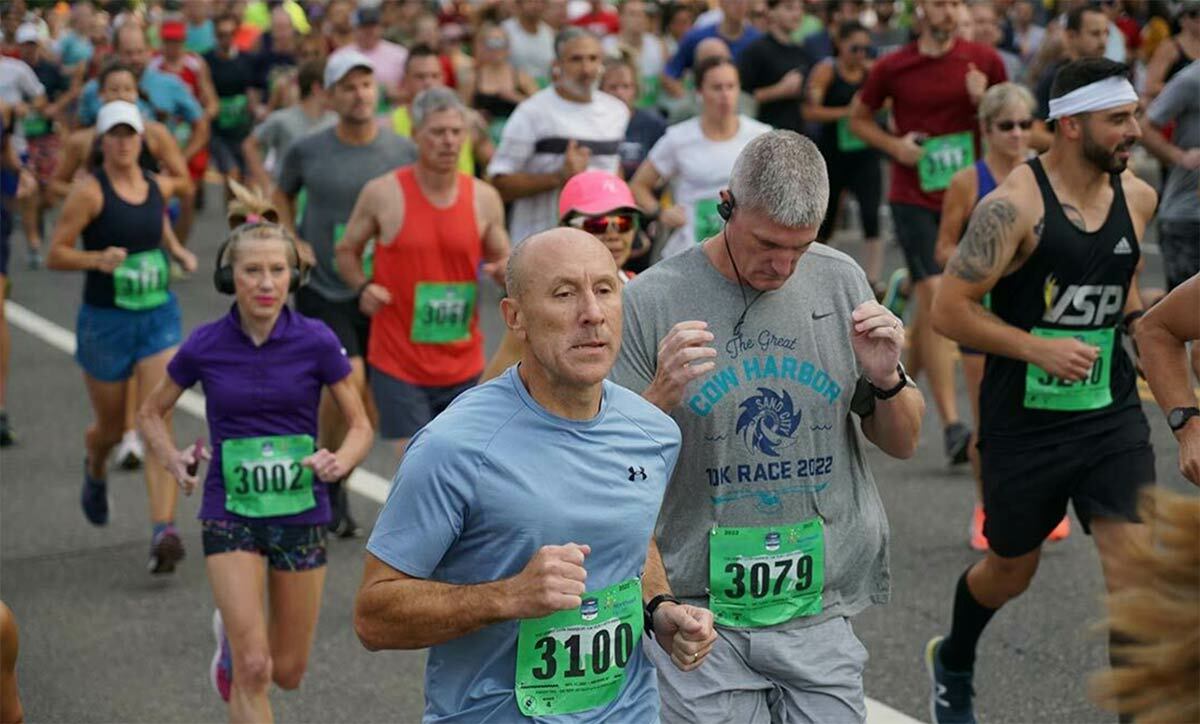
1011	578
106	435
288	674
252	670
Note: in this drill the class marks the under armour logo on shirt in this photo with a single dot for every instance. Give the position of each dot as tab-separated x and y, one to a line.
638	473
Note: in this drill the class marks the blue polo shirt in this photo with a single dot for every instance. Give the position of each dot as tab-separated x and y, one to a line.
686	54
250	391
493	479
168	96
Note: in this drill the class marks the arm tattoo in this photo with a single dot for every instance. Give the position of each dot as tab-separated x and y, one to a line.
975	259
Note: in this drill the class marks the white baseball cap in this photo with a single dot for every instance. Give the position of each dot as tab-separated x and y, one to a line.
116	113
28	33
339	64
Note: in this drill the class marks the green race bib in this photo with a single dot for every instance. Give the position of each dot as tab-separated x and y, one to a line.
233	112
496	129
182	133
943	157
141	281
442	312
651	86
706	220
766	576
368	259
1046	392
846	140
264	478
575	660
35	125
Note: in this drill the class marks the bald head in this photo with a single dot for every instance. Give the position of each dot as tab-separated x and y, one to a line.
564	305
711	48
541	254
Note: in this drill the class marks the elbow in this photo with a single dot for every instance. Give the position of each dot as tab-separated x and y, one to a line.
54	261
508	193
365	630
943	321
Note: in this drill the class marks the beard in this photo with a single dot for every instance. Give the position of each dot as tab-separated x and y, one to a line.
579	89
1102	158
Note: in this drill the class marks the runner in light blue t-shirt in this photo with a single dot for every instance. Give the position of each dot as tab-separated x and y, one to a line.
504	501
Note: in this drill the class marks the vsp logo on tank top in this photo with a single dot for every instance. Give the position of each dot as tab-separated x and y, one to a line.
1082	305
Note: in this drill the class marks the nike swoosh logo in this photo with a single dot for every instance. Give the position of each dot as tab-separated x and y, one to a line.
821	316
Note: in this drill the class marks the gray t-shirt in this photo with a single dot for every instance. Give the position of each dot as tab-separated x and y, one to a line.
1180	102
334	173
285	125
768	436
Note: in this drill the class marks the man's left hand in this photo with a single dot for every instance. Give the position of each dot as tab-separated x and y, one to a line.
685	632
878	339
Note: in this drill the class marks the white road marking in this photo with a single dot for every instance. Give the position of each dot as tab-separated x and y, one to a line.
363	482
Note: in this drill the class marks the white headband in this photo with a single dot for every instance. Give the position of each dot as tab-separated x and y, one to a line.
1111	92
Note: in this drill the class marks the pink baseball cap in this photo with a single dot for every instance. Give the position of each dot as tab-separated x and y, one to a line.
594	192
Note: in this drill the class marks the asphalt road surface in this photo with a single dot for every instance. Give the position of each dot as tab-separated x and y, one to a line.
102	641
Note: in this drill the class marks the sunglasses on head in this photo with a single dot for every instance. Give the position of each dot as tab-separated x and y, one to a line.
597	225
1006	126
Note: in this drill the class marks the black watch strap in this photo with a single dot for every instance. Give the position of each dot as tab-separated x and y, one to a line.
652	606
1178	418
890	393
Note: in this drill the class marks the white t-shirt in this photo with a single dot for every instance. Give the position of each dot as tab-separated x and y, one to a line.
18	82
535	139
650	55
533	54
698	169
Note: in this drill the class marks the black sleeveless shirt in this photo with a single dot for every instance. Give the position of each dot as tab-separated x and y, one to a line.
838	95
1074	284
135	227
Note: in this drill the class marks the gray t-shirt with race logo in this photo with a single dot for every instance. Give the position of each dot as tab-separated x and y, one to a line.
1180	102
334	173
768	435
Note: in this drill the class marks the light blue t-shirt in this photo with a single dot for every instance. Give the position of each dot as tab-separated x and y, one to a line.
200	38
167	94
74	48
493	479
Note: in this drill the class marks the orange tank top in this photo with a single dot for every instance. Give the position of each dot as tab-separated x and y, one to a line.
429	335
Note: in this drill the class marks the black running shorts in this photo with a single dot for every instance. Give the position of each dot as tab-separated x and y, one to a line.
1026	487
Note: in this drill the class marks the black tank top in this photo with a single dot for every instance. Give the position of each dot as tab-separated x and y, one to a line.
136	228
1180	63
1074	284
838	95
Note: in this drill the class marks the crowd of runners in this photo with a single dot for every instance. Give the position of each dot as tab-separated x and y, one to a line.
654	501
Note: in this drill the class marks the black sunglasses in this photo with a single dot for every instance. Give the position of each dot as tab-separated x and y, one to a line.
1006	126
859	48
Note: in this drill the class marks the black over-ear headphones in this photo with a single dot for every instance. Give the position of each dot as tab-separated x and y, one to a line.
223	273
725	208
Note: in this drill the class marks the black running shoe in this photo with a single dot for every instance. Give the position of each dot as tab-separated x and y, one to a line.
342	525
6	436
165	551
950	692
94	498
957	437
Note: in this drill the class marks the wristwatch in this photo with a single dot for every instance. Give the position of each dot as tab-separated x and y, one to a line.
652	606
1179	417
889	394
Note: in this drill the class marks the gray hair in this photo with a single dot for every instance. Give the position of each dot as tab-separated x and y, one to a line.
568	34
783	175
1001	96
433	101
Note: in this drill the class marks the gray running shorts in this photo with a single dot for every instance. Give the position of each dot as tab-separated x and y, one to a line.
812	674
